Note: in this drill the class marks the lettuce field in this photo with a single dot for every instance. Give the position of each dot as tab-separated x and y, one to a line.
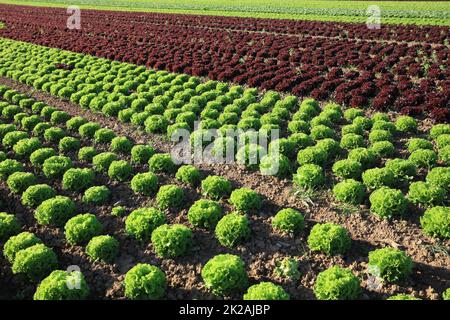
255	150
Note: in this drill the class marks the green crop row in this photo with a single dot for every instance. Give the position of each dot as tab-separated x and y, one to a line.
363	154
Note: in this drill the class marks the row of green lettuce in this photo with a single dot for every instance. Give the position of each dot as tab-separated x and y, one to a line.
28	255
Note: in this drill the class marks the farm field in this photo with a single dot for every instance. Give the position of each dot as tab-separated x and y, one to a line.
175	155
394	12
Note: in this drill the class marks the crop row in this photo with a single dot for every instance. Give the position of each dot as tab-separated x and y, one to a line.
156	100
29	256
321	60
392	13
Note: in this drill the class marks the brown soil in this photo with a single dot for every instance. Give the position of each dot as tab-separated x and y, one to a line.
430	278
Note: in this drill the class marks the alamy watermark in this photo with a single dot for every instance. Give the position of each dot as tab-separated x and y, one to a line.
73	280
374	17
74	20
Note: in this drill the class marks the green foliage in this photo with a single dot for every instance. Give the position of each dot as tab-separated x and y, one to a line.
74	123
78	179
38	157
102	161
403	170
266	291
18	182
309	176
55	211
10	111
287	268
125	115
379	116
387	203
389	264
402	297
121	145
96	195
18	242
36	194
384	125
162	162
54	167
54	134
444	154
216	187
104	248
120	170
312	155
351	141
104	135
6	128
439	129
435	222
330	146
40	128
141	223
232	229
446	294
329	238
245	200
68	144
443	141
351	113
415	144
424	158
426	194
87	154
225	274
300	140
380	135
289	221
112	109
82	228
352	128
36	262
11	138
171	241
156	124
276	165
189	175
297	126
9	226
88	129
55	286
366	157
250	155
170	197
28	123
284	146
322	132
144	183
204	213
337	283
118	211
59	117
383	149
347	169
350	191
141	153
378	177
25	147
439	176
145	281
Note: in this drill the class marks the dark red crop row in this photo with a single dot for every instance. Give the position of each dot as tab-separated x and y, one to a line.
403	68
